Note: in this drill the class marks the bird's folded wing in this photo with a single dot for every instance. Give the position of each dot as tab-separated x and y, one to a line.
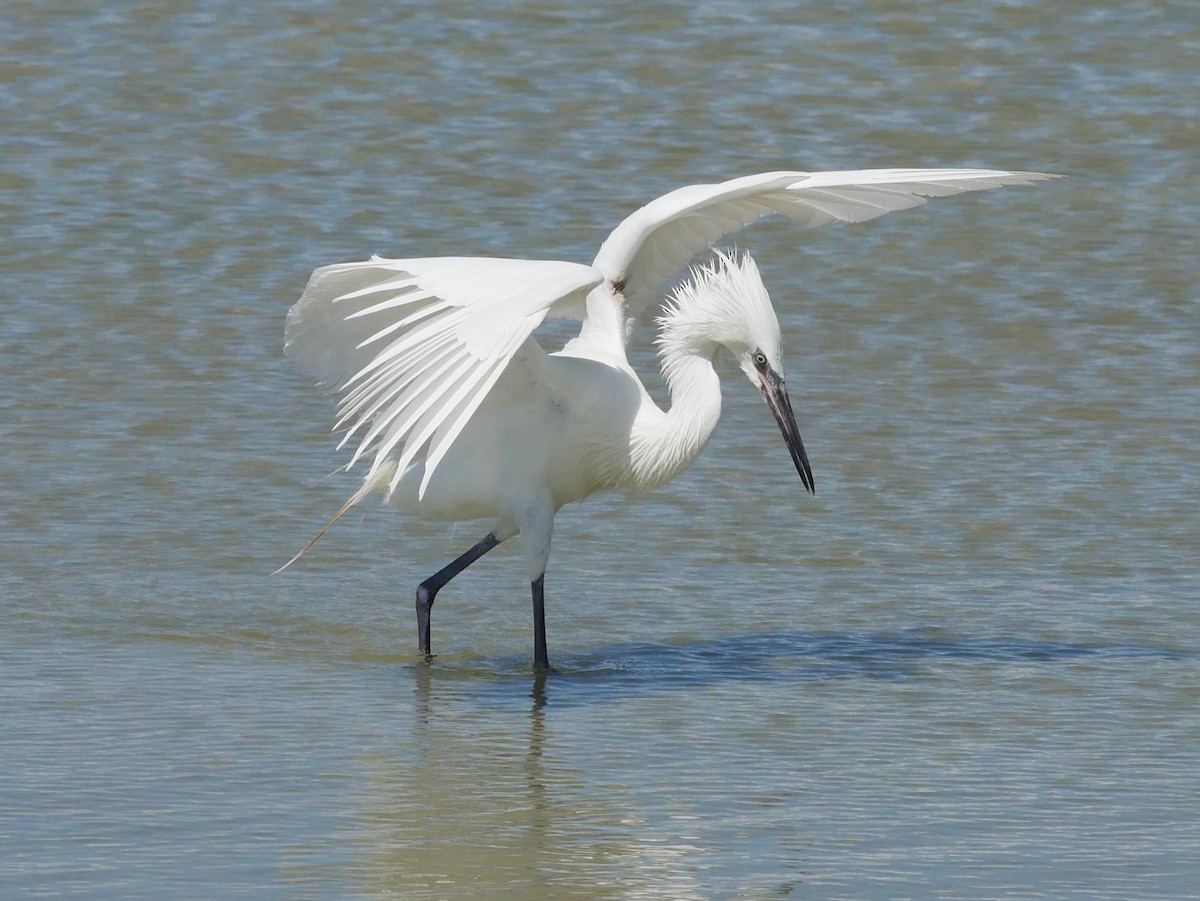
412	347
650	247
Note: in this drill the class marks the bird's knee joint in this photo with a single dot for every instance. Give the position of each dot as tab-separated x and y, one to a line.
425	596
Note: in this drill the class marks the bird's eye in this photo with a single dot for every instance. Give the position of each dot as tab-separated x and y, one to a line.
760	359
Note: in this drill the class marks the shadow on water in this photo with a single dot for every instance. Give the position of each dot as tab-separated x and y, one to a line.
627	670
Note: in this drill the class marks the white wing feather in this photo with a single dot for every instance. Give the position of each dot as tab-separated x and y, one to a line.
412	347
649	248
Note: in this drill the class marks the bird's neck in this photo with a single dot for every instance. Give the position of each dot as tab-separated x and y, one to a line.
664	444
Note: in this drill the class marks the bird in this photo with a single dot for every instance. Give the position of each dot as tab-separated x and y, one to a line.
440	379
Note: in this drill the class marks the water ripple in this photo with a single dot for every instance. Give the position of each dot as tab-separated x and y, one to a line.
635	669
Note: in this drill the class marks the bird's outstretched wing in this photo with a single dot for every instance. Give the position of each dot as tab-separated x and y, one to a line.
650	247
412	347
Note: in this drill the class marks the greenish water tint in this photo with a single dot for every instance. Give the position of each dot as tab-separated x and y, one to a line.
968	667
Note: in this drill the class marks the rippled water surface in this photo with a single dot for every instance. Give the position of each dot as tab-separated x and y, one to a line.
966	668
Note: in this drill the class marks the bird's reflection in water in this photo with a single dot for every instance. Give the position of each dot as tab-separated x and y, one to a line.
422	691
538	791
476	795
488	783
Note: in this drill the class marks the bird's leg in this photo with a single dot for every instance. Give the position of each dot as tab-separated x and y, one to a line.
541	663
428	589
536	526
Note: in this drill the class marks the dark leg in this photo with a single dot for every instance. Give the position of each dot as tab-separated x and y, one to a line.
541	662
428	589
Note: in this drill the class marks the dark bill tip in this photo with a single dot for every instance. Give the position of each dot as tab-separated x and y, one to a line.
775	394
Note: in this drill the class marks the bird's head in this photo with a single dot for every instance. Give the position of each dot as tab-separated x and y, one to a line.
725	304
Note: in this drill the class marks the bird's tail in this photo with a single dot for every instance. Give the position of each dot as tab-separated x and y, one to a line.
368	486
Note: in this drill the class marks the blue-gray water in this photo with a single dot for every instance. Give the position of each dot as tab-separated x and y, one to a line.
967	668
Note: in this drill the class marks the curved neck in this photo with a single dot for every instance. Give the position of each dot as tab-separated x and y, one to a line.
664	444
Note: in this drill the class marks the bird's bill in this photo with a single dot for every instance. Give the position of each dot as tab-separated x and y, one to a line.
775	394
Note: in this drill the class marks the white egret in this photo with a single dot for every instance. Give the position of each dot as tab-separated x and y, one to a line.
467	417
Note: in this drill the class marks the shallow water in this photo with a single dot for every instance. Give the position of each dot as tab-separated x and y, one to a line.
967	667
